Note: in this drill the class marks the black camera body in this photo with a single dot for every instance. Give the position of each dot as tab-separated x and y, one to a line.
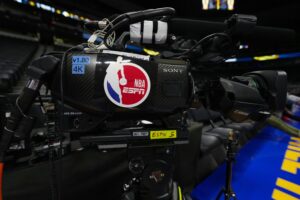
107	94
126	84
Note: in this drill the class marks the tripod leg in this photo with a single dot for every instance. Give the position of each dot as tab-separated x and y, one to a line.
220	194
234	197
231	197
175	194
230	157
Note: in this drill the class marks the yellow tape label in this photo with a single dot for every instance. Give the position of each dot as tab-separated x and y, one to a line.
163	134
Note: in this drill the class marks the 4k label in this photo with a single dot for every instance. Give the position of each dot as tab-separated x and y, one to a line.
78	64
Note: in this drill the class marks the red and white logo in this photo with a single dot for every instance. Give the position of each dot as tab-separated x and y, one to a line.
126	84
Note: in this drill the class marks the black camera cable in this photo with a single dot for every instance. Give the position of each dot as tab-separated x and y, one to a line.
61	134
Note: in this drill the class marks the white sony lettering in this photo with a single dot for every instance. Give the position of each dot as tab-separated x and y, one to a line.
173	70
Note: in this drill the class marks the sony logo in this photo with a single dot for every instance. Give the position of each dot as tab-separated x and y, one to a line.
172	70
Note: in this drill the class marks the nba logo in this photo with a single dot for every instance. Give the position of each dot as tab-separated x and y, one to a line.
126	84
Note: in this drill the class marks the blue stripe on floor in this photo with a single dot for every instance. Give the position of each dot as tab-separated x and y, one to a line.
257	167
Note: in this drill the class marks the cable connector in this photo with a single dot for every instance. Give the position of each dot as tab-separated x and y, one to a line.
93	38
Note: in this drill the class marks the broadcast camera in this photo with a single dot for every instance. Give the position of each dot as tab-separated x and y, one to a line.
133	92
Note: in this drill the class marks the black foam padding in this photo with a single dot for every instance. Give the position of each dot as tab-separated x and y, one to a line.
187	157
219	154
207	164
246	128
212	145
220	132
202	114
209	143
243	132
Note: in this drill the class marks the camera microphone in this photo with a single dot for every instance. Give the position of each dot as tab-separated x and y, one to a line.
259	35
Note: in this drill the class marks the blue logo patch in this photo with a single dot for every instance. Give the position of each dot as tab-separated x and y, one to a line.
78	64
